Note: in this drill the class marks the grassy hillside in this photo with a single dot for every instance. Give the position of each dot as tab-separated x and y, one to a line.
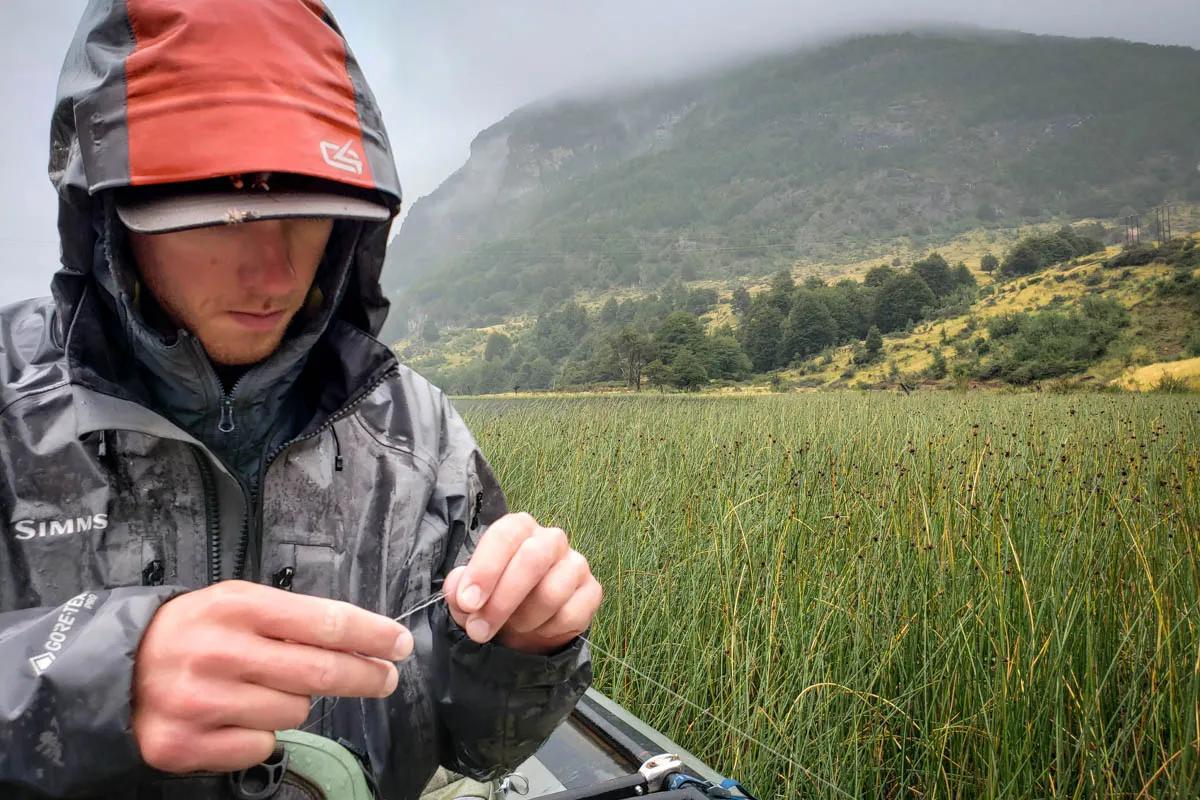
1159	326
1158	299
823	156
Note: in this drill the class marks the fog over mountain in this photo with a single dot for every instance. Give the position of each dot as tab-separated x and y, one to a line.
445	70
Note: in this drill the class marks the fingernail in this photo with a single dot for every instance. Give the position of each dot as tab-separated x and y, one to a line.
403	646
469	597
393	680
478	630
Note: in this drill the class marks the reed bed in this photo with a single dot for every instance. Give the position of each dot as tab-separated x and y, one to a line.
936	596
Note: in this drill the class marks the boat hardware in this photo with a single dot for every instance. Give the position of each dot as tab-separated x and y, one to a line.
649	779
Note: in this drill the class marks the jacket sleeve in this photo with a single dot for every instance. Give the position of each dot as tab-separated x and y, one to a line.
66	675
495	705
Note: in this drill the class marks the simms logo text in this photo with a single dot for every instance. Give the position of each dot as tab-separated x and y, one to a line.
38	529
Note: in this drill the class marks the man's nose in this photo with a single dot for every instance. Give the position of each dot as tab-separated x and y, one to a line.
266	265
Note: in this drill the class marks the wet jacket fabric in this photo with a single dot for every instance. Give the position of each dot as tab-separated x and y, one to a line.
123	482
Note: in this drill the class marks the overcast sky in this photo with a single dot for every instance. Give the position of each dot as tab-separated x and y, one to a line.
445	69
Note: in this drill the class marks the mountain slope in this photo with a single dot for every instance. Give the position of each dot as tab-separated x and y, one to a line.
802	158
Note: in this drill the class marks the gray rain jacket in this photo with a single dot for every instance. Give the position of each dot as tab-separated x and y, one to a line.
345	475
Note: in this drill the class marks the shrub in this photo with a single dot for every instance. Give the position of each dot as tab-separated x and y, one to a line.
1191	345
1033	346
1171	384
1133	256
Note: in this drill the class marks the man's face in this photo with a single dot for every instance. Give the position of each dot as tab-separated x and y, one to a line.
234	287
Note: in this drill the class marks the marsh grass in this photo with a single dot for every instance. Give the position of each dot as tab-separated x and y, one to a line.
951	595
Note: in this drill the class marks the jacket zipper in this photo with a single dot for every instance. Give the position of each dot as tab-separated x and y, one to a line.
212	518
345	411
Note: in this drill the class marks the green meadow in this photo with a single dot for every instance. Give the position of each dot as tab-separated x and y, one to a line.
946	595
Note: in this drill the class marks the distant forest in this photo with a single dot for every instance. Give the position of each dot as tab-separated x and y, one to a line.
660	340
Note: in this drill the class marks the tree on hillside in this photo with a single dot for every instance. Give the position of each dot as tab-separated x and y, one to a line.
780	293
740	301
688	370
841	302
878	276
962	277
873	342
870	351
937	370
726	359
989	263
810	327
610	312
679	330
762	335
1023	259
659	374
497	348
557	333
934	270
536	374
634	350
901	300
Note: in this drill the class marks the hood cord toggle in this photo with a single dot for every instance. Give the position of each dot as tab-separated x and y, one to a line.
338	462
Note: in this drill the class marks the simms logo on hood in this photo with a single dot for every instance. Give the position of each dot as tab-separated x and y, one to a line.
37	529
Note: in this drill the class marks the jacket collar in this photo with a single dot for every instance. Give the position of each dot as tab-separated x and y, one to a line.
322	363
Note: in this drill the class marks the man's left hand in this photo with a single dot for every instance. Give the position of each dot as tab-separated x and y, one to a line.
525	587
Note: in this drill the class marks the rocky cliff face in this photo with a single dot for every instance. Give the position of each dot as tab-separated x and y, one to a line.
514	163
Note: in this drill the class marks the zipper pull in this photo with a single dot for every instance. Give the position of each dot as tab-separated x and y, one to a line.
283	578
152	575
226	423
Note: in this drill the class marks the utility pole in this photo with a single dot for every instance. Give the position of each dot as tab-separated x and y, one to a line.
1162	223
1133	232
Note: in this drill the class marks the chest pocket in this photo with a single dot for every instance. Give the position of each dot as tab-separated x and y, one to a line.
108	511
347	533
304	568
156	517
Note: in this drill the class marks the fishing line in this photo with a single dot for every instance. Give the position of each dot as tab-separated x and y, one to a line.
437	597
426	603
811	775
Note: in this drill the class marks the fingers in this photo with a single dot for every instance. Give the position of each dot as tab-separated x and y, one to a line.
554	591
524	584
495	549
302	669
245	705
576	614
329	624
569	621
181	748
231	749
532	561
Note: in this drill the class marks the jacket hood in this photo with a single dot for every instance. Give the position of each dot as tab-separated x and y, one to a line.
166	91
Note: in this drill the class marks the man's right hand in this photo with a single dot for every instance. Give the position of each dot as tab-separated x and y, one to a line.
220	669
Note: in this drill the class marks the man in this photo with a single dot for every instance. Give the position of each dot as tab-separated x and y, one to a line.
216	486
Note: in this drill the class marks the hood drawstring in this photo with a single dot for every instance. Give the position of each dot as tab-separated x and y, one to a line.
338	462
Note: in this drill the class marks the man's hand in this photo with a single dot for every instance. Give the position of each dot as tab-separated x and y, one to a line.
220	669
524	586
